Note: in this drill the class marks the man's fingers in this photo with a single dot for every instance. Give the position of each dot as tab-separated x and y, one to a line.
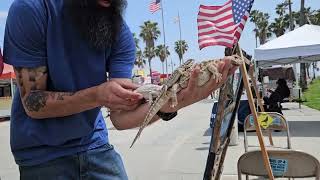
194	78
222	65
115	101
225	71
127	94
128	85
233	70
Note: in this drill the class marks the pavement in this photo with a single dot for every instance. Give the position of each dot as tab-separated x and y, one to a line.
177	150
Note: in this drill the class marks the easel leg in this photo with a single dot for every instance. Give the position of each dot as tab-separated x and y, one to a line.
255	87
255	116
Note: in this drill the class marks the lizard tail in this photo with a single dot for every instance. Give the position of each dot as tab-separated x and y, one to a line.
154	108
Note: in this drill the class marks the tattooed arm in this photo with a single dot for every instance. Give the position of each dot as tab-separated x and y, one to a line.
40	103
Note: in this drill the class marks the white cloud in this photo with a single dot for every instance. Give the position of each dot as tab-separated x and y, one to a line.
3	14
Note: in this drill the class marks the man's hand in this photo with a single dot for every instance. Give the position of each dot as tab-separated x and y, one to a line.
194	93
118	95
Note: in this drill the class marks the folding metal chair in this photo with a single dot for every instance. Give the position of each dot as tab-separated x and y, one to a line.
284	163
279	124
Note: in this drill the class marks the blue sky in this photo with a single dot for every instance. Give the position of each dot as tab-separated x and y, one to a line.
137	12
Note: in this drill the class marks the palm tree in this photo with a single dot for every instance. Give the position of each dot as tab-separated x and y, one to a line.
279	26
149	53
281	23
281	9
308	15
263	25
136	40
316	18
181	47
162	52
254	18
149	33
140	60
261	22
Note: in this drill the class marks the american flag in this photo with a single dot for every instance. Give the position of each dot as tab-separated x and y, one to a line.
155	5
222	25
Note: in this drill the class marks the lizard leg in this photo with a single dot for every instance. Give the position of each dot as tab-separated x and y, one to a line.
150	98
215	72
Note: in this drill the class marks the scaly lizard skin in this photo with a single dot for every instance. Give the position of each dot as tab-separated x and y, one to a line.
179	80
149	91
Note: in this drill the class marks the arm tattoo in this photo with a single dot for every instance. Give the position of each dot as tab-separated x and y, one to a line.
60	95
36	100
20	81
33	85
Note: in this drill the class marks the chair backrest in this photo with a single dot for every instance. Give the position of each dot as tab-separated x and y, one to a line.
279	123
284	163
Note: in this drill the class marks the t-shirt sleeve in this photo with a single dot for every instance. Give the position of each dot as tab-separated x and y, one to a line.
25	35
122	56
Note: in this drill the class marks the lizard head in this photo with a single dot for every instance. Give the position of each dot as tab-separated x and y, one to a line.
235	60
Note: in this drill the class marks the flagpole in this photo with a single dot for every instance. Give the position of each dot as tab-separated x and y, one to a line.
180	32
179	25
164	37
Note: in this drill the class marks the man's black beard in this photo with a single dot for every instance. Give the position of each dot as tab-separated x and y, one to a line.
98	25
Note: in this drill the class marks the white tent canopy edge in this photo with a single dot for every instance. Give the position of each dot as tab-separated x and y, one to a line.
297	46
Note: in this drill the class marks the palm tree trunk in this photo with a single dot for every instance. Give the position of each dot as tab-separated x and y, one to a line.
149	61
303	76
162	67
256	35
290	16
166	66
180	60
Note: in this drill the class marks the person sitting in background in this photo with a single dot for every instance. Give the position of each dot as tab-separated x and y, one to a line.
272	103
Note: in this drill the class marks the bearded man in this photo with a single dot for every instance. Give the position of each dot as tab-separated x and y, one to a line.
61	51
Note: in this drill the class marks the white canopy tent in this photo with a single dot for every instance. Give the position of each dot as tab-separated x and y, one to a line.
299	45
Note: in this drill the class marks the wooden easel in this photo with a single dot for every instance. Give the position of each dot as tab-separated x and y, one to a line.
259	99
265	155
218	146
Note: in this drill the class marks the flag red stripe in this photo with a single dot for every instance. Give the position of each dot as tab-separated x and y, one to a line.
221	19
216	14
210	7
215	44
217	30
213	7
154	6
221	31
217	27
216	37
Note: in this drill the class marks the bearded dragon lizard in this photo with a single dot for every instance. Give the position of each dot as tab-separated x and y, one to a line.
178	81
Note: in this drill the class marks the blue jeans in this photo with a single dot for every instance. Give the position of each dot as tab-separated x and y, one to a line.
102	163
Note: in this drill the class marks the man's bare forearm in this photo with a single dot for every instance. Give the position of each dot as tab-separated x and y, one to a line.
45	104
123	120
39	103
